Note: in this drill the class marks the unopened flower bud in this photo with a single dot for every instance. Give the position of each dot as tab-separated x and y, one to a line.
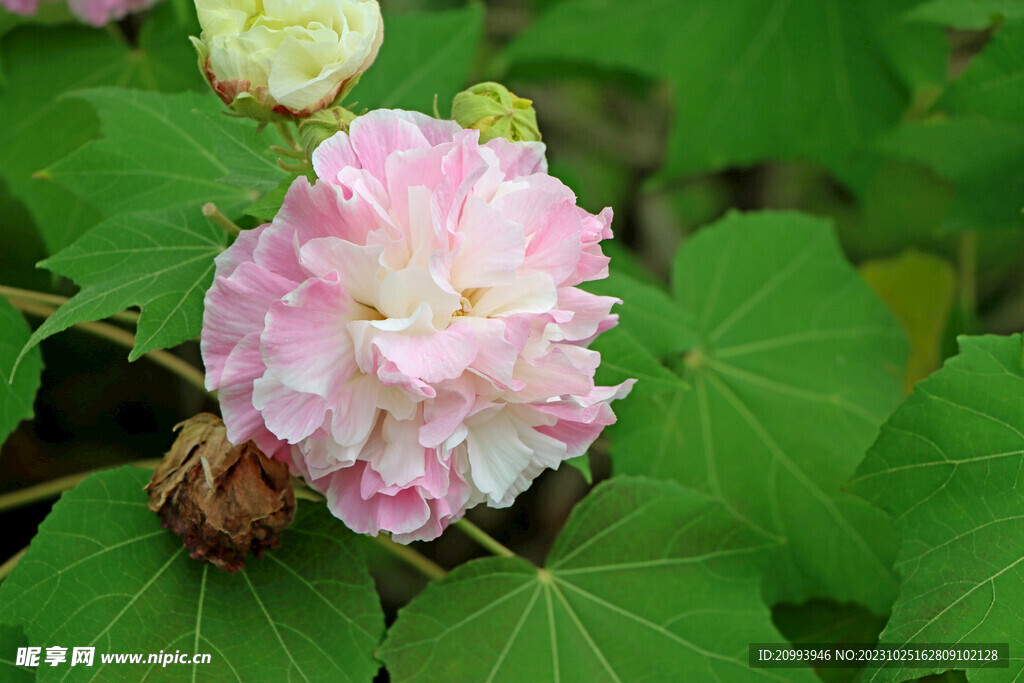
496	112
223	500
277	59
322	125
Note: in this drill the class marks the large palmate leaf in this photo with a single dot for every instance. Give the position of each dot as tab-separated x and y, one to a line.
752	79
796	364
949	467
982	157
162	262
974	14
103	573
632	348
11	638
41	126
163	152
16	397
646	578
993	82
424	54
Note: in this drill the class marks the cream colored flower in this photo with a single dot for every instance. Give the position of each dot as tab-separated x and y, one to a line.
291	57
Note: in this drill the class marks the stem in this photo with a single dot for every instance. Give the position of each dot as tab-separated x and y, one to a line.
55	300
967	255
286	133
480	536
303	492
427	567
115	334
12	562
211	211
55	487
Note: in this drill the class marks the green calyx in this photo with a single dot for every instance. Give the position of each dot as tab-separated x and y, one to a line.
496	112
244	104
321	125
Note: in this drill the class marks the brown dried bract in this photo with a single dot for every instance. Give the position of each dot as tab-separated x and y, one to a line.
223	500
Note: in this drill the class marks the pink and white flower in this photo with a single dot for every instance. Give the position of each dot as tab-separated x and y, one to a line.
407	332
95	12
102	12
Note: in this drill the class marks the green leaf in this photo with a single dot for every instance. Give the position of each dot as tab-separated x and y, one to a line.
424	54
581	464
972	14
11	638
796	366
822	621
39	129
993	83
650	327
752	80
949	467
267	206
102	573
646	577
164	59
161	152
919	289
16	398
162	262
40	126
981	156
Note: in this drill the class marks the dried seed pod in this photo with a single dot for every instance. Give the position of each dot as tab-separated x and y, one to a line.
223	500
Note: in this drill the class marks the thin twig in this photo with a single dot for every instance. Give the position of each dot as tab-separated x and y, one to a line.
425	565
480	536
288	136
211	211
7	567
55	487
428	567
130	317
164	359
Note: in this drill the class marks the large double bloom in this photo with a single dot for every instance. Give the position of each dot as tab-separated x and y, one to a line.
407	332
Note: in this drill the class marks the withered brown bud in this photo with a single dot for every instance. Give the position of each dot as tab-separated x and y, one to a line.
223	500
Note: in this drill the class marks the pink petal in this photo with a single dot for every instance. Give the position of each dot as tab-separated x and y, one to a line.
519	158
235	306
290	415
379	133
402	459
432	357
591	313
242	367
305	343
240	251
446	412
493	249
496	455
355	266
404	512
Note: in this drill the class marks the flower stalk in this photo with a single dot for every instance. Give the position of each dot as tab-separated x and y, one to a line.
130	317
425	565
55	487
115	334
7	567
215	215
483	538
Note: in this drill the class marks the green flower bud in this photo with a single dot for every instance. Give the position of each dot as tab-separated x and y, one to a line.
496	112
322	125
